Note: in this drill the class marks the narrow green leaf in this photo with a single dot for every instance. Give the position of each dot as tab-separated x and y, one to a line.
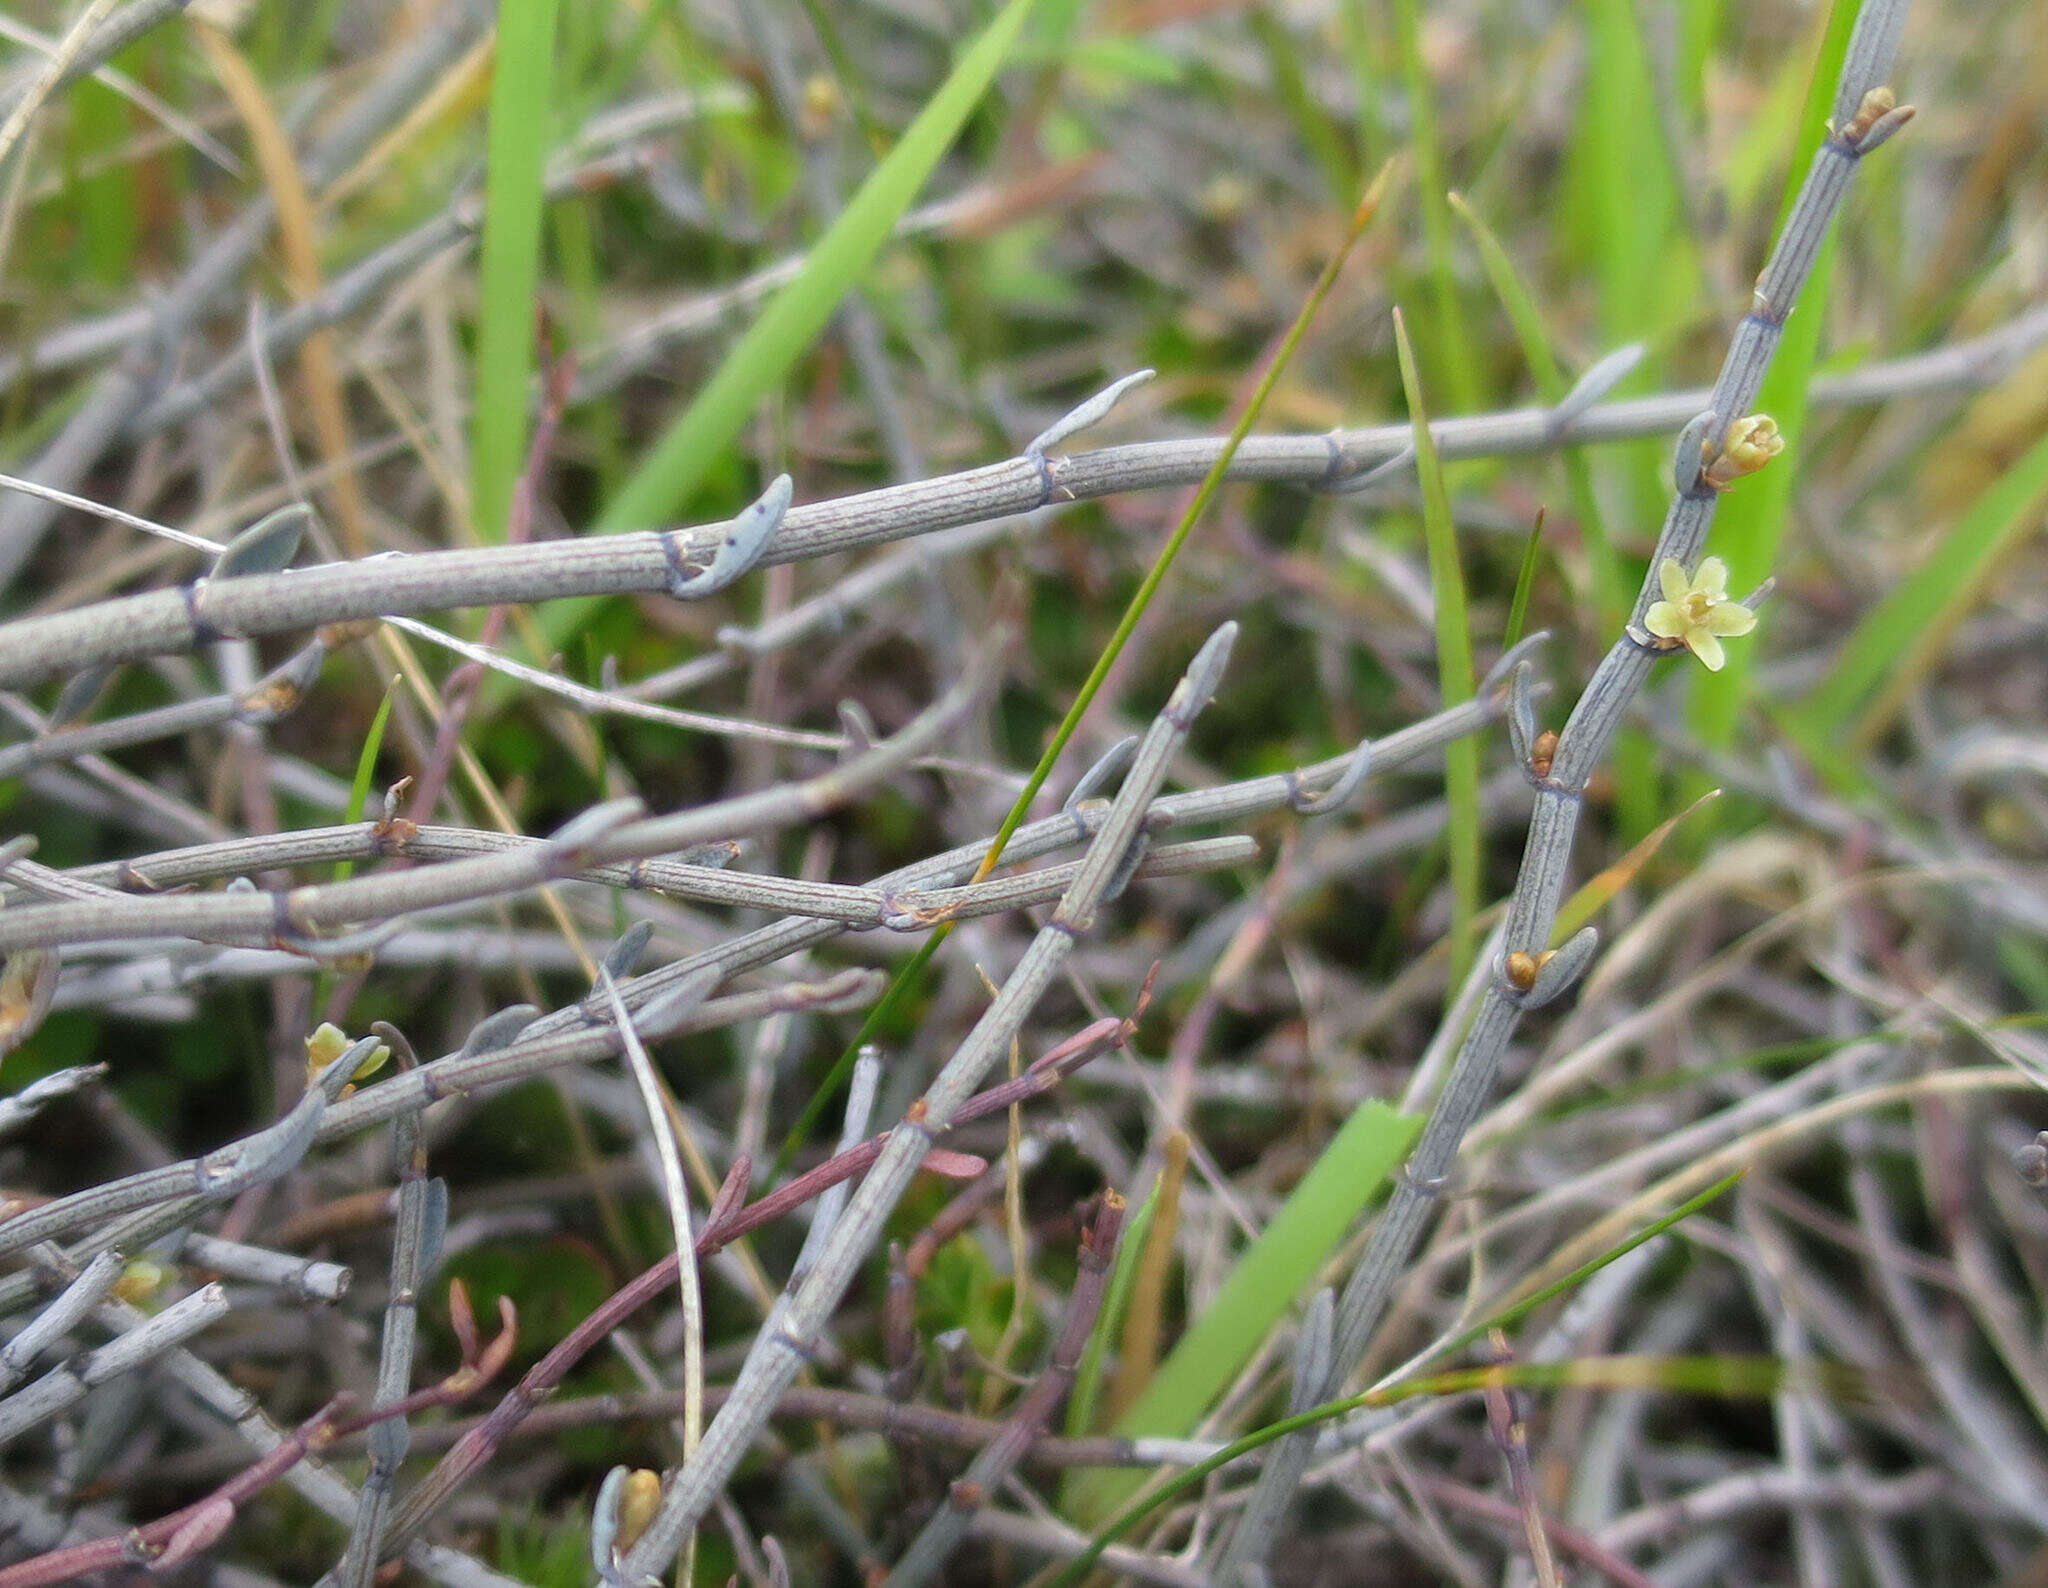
1141	599
366	771
1515	1311
1169	1488
1265	1282
1312	124
1611	588
522	87
1525	581
1900	637
792	321
1751	524
1454	664
1459	368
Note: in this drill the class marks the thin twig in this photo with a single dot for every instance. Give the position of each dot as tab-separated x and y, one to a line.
1034	1409
1583	743
775	1358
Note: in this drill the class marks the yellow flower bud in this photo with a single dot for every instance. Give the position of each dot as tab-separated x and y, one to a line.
636	1507
1749	444
139	1281
328	1043
819	108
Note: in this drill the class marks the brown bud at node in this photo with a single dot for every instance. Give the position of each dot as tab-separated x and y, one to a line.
1878	102
1522	968
273	700
339	636
1542	753
637	1507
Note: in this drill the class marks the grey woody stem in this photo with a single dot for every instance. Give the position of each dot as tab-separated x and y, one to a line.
182	618
1863	119
778	1354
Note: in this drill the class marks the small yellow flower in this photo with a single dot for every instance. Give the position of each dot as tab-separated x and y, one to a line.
1696	612
328	1043
1746	447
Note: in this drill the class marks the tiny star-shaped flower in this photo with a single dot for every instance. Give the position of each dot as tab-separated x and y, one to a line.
1696	611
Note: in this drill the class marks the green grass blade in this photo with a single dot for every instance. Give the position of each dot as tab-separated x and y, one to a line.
1141	599
1312	124
1636	205
1752	521
1459	372
1525	581
1362	55
793	320
1515	1311
1454	664
366	771
1612	589
1265	1282
522	88
1902	635
1188	1478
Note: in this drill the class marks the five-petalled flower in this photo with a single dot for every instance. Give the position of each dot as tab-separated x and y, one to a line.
1696	611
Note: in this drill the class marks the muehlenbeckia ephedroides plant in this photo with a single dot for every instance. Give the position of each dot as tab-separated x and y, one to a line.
1675	609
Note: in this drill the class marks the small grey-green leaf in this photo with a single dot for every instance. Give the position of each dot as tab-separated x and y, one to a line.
267	545
623	955
499	1030
80	690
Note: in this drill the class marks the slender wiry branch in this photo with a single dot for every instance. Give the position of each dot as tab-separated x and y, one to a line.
606	834
724	1223
109	38
304	1278
222	1173
1034	1409
99	420
415	1254
34	649
1288	1460
50	75
270	698
697	875
168	1200
92	1286
185	1534
776	1357
1524	974
933	1425
63	1387
578	1035
1228	803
